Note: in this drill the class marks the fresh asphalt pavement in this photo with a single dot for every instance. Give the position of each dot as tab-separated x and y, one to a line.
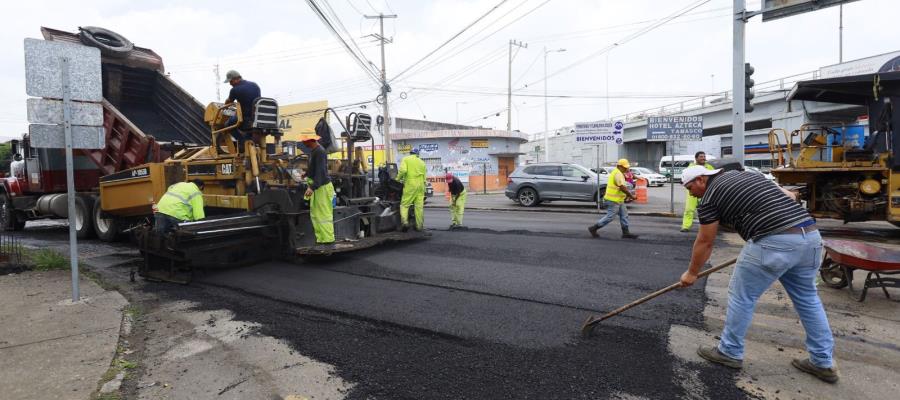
489	312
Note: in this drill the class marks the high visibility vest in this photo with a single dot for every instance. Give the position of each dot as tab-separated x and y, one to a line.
412	171
613	193
183	201
709	167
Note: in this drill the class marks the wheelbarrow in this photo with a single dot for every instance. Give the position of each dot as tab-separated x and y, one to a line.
842	257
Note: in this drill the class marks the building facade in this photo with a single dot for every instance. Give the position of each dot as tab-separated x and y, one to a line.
480	158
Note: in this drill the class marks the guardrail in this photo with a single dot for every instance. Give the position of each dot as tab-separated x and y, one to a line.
715	99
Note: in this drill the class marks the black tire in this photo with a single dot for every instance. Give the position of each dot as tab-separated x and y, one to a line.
107	229
111	44
833	274
84	223
9	221
528	197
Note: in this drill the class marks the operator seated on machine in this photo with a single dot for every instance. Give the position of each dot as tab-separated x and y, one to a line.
244	92
182	202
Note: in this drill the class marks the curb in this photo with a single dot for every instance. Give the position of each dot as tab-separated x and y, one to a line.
562	211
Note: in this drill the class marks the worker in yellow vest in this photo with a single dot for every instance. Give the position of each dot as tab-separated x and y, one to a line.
690	202
412	174
182	202
616	194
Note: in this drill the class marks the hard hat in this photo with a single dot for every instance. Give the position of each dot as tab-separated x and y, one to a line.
414	150
309	137
231	75
449	177
624	163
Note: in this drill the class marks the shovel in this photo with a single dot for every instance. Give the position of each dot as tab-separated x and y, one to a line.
588	326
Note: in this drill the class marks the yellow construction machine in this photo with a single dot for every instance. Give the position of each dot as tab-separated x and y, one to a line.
845	173
253	196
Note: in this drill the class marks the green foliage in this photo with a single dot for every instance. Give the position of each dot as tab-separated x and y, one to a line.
47	259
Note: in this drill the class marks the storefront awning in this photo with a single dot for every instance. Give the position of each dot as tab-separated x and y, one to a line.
508	154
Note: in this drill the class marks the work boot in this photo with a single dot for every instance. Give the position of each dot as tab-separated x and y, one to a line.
712	354
404	228
829	375
593	230
628	235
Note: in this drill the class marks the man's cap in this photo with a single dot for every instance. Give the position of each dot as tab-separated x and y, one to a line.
449	177
623	162
199	183
231	75
414	150
696	171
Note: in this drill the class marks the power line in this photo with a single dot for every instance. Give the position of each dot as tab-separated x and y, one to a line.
624	40
563	96
450	40
356	57
444	58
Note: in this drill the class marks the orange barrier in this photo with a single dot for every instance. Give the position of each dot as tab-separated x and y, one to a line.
640	187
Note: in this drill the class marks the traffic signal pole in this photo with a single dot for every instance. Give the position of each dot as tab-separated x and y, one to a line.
738	79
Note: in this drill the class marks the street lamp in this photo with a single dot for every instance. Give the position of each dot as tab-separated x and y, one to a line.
546	120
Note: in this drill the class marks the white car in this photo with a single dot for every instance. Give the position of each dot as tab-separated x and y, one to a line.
768	176
653	178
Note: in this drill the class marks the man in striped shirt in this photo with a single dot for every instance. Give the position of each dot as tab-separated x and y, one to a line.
782	244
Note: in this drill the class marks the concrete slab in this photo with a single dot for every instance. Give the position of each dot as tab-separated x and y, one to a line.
51	348
867	342
209	355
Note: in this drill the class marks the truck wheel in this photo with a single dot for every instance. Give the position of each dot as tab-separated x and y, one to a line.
83	221
8	219
106	228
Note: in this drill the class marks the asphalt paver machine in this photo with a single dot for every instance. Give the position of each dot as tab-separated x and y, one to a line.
253	196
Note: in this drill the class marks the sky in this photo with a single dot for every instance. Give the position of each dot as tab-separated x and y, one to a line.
289	52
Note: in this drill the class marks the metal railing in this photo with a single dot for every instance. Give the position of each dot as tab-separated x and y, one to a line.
716	99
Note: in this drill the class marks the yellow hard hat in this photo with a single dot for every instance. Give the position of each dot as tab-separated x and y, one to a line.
624	163
303	137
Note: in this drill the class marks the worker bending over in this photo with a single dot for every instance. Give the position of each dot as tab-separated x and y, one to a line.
319	192
182	202
690	202
783	244
412	175
457	200
616	194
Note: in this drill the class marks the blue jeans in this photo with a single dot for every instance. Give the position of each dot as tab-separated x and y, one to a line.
792	259
613	209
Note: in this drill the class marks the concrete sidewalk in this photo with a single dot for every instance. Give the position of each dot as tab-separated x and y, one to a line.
51	348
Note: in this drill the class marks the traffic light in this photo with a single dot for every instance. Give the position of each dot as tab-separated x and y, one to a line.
748	88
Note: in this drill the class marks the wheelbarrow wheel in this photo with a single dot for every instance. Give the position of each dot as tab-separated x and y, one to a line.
833	275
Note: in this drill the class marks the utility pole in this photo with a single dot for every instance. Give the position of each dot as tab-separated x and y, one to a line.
737	82
385	89
218	82
509	86
546	112
841	35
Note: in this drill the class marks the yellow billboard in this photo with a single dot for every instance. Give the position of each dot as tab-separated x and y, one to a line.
299	118
367	150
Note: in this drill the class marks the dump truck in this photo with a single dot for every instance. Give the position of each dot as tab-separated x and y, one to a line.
147	117
843	176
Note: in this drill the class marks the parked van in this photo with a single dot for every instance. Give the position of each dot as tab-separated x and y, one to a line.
681	162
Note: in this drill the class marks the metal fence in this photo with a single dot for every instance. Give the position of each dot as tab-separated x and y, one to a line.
10	250
716	99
